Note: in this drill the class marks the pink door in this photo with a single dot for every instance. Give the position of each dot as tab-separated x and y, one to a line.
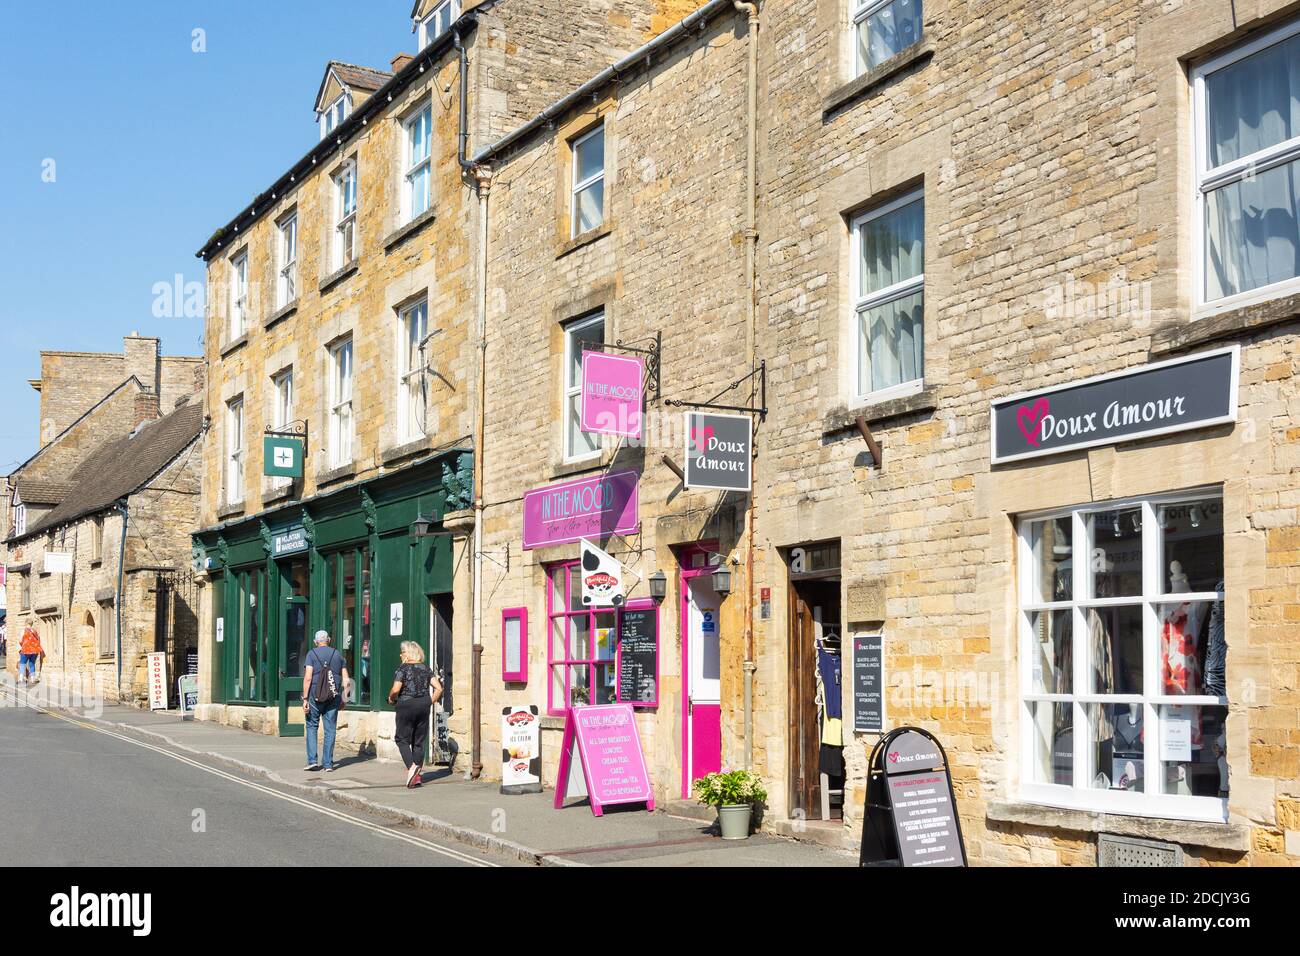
701	665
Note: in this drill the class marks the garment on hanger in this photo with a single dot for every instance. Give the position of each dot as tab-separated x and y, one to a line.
833	731
828	670
1216	653
1180	668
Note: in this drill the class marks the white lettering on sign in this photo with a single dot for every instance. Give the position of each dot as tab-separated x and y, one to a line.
1115	416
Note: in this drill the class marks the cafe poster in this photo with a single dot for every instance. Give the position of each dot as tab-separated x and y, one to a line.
601	759
521	750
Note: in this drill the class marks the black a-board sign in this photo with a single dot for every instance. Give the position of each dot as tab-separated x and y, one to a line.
638	657
911	807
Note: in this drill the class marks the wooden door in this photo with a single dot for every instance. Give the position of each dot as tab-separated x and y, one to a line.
805	737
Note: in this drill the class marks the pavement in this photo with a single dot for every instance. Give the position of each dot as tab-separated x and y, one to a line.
476	816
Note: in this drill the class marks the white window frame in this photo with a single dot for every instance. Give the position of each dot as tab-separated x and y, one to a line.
332	117
286	280
238	295
1208	179
862	302
20	518
345	219
235	451
1080	795
579	186
574	389
412	411
341	412
412	166
451	8
862	10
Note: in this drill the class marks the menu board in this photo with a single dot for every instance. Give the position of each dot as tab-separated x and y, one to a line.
638	657
868	683
925	820
603	743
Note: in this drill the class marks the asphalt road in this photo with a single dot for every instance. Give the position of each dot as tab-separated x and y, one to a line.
72	795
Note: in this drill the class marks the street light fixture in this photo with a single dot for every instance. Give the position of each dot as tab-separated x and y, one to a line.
658	586
721	578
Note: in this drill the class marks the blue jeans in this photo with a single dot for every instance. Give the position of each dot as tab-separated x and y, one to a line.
27	665
314	714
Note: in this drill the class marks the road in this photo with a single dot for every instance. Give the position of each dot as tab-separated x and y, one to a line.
75	795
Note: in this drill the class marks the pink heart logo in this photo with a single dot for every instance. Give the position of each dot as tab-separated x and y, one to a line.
893	758
700	437
1029	417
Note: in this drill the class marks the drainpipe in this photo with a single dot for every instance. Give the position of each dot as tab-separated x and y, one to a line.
750	10
483	183
121	508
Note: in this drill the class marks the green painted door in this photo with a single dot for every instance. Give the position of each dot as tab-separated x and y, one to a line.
294	641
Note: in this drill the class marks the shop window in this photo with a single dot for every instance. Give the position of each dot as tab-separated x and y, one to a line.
340	407
345	215
578	336
413	332
588	210
889	299
1123	658
418	171
1248	169
581	644
882	29
348	574
246	636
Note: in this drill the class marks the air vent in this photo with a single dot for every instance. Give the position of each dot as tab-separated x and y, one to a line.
1130	851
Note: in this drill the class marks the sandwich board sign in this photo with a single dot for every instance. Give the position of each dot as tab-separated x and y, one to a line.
521	750
911	817
187	688
601	759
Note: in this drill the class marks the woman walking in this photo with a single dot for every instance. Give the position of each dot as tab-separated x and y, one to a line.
414	691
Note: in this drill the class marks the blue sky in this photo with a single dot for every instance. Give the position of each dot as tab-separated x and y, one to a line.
154	146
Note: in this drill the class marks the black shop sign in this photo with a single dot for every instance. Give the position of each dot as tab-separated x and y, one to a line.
1159	399
911	817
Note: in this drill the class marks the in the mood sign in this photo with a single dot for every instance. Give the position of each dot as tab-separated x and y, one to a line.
1159	399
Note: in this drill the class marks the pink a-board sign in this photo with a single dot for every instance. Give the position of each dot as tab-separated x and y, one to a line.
611	394
610	765
595	508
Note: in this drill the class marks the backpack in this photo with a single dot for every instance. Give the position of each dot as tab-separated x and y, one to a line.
325	688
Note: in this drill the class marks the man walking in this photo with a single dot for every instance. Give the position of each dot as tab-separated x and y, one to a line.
325	685
29	653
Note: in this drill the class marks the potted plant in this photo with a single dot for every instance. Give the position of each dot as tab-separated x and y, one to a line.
734	793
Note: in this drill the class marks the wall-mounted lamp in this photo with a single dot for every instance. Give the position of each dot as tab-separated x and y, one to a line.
420	527
721	578
658	583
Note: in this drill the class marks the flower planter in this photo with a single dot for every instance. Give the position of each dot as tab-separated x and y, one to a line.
734	820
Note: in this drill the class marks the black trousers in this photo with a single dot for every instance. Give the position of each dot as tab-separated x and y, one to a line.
412	729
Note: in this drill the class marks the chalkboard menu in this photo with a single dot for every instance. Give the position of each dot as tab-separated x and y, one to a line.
868	683
638	657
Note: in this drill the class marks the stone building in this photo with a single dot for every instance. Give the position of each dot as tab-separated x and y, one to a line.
342	329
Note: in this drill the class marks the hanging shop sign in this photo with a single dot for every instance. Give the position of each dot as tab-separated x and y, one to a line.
602	578
869	683
601	759
1159	399
719	451
157	673
911	811
612	395
521	750
514	645
58	562
596	507
282	456
638	656
290	541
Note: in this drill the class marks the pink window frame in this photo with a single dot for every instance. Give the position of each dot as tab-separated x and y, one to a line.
590	662
521	675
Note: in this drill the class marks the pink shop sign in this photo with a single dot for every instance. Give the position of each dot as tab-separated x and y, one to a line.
595	507
611	394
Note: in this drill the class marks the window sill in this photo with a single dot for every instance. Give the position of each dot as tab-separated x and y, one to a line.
1246	320
230	511
105	596
846	418
552	722
567	469
405	450
276	493
96	562
902	61
339	473
586	239
281	314
234	345
1219	836
337	276
404	232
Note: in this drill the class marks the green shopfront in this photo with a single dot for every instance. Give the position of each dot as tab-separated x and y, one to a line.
370	563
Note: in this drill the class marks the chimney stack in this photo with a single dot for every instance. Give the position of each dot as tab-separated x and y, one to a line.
400	61
147	407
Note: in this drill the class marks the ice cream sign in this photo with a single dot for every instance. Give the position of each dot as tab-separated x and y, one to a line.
1193	392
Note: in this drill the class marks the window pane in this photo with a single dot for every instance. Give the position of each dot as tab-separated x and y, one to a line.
1192	537
1193	751
580	337
579	685
580	443
1053	748
589	157
892	247
605	637
1115	650
420	190
1117	746
885	33
1191	639
557	639
590	206
1254	103
1052	573
606	688
559	699
1116	562
1053	652
891	341
1252	238
579	638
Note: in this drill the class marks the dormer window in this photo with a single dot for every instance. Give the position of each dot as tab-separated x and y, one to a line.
334	114
439	19
20	518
